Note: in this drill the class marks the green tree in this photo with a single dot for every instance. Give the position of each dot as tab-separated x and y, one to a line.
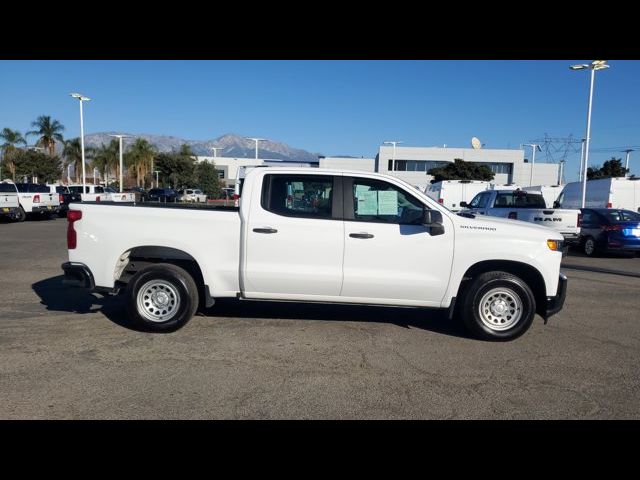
610	168
49	132
72	153
10	141
207	178
31	163
176	170
461	170
139	158
106	158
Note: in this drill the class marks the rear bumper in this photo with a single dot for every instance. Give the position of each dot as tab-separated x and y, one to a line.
555	304
570	237
77	275
46	208
9	211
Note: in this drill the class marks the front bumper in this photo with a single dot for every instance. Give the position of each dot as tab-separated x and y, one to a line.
555	304
77	275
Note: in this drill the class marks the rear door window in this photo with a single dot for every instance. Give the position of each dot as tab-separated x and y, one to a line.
309	196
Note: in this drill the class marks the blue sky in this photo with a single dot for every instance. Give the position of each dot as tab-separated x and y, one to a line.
334	107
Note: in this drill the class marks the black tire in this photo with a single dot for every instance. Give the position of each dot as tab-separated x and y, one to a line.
511	286
176	284
590	247
22	216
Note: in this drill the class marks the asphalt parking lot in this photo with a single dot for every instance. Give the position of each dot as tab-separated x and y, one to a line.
71	355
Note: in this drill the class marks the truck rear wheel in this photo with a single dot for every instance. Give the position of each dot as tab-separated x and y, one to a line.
22	216
498	306
161	298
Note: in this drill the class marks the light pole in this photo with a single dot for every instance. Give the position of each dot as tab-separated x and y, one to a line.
256	140
120	137
581	156
626	164
393	157
534	147
157	172
215	151
82	98
595	65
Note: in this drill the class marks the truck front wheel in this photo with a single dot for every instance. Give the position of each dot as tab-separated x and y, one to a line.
498	306
161	298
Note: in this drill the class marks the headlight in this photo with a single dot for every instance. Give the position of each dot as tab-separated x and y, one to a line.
555	245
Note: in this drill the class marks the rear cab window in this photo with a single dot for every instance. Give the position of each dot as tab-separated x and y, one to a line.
519	199
307	196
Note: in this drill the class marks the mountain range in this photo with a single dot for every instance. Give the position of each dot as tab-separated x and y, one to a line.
230	145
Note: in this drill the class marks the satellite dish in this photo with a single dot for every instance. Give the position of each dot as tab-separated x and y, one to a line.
475	143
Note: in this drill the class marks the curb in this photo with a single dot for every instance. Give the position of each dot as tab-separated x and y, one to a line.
600	270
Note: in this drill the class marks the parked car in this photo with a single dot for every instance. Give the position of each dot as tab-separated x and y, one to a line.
191	195
92	193
364	238
162	195
9	204
66	197
527	207
609	230
34	198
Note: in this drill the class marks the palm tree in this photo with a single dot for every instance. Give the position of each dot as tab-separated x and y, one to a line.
139	159
10	138
107	158
49	132
73	155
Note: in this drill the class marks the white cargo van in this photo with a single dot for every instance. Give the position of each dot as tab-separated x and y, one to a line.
451	192
622	193
549	192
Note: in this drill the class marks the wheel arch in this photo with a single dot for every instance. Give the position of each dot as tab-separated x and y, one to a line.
529	274
137	258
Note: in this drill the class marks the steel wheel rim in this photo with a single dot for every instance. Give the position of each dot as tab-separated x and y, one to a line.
500	309
589	247
158	301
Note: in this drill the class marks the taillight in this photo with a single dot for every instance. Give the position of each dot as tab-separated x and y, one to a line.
612	228
72	239
36	199
235	196
97	199
609	205
60	198
579	224
513	215
441	201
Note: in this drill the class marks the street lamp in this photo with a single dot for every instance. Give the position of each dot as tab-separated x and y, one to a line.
120	137
256	140
215	151
393	158
595	65
157	172
626	165
82	98
534	147
582	155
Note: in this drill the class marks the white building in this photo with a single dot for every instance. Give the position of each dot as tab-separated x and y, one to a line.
348	163
229	166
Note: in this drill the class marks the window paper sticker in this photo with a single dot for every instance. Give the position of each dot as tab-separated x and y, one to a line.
360	189
388	203
368	203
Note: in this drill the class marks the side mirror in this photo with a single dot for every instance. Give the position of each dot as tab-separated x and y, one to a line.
464	204
432	219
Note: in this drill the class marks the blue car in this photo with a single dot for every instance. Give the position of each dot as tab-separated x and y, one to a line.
607	230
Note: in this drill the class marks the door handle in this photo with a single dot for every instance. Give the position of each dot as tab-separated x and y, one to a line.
360	235
265	230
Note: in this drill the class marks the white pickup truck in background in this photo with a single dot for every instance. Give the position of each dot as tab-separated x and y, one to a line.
527	207
318	236
34	198
451	192
92	193
9	204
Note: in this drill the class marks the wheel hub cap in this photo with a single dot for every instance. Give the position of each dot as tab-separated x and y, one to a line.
158	301
500	309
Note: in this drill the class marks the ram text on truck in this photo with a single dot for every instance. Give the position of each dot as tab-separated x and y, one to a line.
318	236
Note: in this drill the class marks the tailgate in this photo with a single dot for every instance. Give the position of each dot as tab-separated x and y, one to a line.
565	221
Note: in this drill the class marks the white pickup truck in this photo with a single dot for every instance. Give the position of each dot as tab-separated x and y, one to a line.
92	193
9	204
34	198
527	207
313	235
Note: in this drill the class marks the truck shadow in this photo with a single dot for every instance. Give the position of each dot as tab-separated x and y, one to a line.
57	297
